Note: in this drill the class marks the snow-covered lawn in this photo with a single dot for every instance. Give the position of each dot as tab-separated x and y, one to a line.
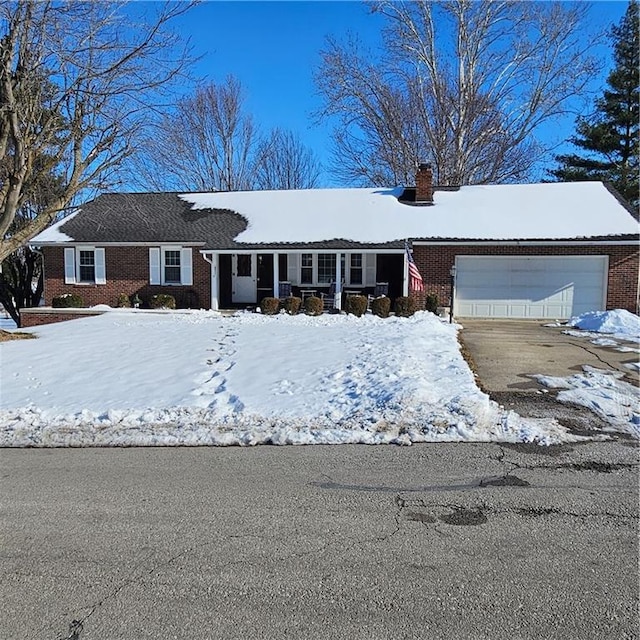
199	378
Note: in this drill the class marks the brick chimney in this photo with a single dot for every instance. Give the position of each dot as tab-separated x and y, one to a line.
424	184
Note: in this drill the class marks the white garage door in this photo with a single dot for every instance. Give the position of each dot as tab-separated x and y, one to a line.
529	287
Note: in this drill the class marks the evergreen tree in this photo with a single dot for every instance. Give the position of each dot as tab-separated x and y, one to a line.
609	138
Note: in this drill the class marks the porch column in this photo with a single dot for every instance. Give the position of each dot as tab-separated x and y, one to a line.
405	276
215	282
338	295
276	275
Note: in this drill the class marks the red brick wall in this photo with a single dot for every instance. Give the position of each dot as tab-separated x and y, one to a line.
435	262
28	318
127	271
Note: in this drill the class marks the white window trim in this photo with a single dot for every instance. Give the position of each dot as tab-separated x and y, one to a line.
72	265
347	268
346	274
157	264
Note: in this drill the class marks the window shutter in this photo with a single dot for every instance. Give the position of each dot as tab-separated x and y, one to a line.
293	268
186	269
370	269
69	265
101	276
154	265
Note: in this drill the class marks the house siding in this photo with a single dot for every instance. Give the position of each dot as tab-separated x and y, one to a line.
435	262
127	272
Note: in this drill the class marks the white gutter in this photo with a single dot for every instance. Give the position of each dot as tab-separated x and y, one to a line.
525	243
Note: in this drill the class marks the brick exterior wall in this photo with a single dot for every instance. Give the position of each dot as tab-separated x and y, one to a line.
435	262
37	316
127	271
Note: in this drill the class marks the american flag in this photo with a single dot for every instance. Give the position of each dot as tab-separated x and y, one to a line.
415	279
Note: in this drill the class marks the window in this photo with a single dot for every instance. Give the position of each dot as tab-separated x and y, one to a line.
355	272
244	265
306	271
172	267
87	265
84	265
326	268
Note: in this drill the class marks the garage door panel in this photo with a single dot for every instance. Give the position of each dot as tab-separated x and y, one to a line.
529	287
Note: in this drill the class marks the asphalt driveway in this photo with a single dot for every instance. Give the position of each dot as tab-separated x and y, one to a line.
506	353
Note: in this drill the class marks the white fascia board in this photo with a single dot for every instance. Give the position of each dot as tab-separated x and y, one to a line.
73	243
526	243
298	250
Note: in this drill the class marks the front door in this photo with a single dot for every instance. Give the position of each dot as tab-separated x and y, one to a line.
243	278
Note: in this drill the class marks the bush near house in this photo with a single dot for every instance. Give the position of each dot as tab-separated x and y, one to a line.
313	306
356	305
405	306
67	300
162	301
431	303
123	301
292	305
381	307
270	306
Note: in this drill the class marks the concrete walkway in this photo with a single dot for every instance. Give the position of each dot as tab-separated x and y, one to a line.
507	352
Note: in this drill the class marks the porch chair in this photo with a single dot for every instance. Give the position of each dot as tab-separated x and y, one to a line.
284	290
381	289
329	298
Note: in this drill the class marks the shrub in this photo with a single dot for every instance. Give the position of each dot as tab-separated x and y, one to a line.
187	299
270	306
357	305
405	306
431	303
123	301
313	306
381	306
67	300
162	301
292	305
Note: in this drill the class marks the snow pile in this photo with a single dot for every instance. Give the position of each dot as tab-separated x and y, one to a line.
622	324
133	378
605	393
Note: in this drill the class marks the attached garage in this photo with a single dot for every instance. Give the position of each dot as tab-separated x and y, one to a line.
536	287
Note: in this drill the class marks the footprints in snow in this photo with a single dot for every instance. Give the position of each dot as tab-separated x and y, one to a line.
211	390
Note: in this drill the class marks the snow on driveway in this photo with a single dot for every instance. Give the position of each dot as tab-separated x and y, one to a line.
133	378
604	391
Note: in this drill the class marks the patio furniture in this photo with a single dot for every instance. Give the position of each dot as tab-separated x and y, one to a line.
329	298
284	289
307	293
381	289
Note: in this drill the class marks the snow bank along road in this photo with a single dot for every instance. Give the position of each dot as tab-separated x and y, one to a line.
200	378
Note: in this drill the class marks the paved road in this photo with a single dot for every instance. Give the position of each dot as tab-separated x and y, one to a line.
429	541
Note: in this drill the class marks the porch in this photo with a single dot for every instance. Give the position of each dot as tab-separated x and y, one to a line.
240	279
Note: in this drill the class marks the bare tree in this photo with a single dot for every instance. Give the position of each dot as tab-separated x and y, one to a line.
77	81
283	162
209	142
462	84
204	144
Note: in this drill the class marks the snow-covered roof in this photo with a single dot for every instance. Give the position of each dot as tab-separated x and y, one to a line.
547	210
332	217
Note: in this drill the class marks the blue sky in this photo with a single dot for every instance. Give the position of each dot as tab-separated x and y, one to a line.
273	49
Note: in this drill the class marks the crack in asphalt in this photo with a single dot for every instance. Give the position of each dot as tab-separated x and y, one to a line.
593	353
520	511
77	625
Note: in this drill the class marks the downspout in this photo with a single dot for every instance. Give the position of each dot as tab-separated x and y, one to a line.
214	280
